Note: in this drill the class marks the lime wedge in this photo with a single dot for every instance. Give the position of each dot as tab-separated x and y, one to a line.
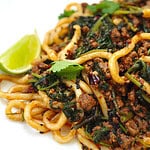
18	58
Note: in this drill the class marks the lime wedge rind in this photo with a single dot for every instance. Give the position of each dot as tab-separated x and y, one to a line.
5	69
18	58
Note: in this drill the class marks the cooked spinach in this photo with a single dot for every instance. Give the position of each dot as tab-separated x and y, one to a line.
81	21
91	118
100	31
102	84
100	134
45	82
61	93
145	26
142	68
71	112
143	97
104	39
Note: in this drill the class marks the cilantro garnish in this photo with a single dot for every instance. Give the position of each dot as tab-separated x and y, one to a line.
66	69
105	6
66	14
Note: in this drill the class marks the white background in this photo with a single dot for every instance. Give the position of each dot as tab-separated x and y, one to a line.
17	18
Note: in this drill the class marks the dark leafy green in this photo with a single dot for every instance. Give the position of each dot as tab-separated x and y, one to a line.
142	68
102	84
91	118
81	21
123	128
100	32
61	93
105	31
100	134
46	82
98	23
71	112
142	96
85	121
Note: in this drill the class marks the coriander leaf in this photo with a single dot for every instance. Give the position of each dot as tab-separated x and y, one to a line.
57	66
66	69
66	14
109	7
93	8
105	6
70	72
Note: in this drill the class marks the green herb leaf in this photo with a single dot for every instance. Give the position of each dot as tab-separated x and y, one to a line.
105	6
93	8
66	69
66	14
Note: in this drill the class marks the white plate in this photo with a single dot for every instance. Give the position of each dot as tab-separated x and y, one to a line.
17	18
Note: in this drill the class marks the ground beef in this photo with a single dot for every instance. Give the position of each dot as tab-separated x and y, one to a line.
115	36
120	37
88	66
135	20
93	43
143	49
117	148
85	29
147	23
119	102
39	67
141	123
86	102
124	111
56	47
104	66
112	138
107	94
115	120
127	61
132	96
132	127
108	125
139	3
140	110
138	147
125	141
30	89
124	32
